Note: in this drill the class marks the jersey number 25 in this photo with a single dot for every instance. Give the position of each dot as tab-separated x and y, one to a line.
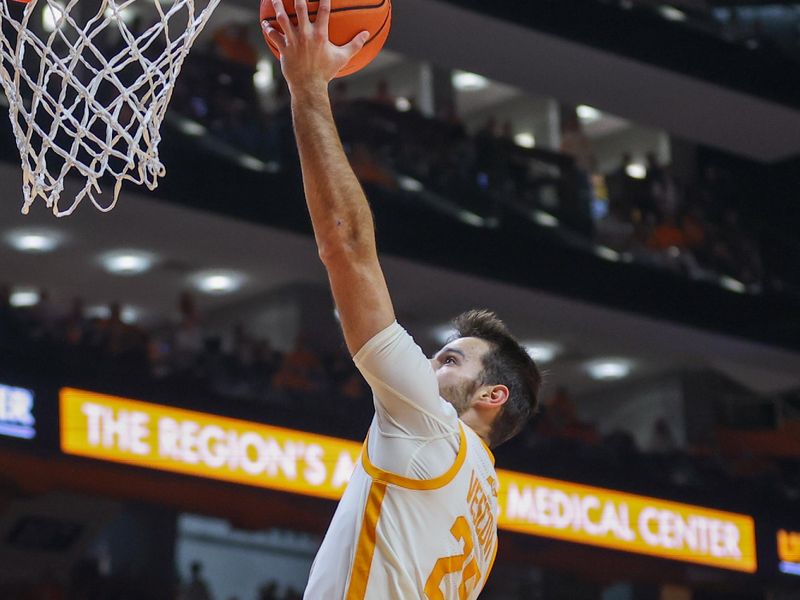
463	563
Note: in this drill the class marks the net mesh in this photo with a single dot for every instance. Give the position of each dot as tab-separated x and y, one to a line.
88	89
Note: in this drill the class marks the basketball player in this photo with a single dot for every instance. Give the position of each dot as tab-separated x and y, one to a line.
419	516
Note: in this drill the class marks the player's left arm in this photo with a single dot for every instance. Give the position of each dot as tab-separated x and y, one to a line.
340	214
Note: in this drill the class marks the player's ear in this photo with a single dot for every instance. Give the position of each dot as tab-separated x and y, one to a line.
494	396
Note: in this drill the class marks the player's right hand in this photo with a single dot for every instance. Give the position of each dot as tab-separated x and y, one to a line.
309	60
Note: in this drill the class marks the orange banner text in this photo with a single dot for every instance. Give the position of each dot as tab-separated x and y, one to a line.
193	443
622	521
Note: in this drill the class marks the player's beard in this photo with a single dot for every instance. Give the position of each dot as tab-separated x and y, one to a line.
460	395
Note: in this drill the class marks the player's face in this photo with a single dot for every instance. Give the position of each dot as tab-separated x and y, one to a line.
458	366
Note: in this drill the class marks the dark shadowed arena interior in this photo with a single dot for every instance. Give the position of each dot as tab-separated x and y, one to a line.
619	180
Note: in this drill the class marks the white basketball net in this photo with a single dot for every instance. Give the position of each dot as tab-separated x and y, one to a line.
88	98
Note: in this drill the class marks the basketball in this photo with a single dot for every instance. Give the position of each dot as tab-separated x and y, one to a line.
348	19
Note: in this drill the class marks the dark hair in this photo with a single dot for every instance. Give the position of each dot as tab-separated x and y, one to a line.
507	363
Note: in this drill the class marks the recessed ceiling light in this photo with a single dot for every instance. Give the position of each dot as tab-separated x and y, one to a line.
542	352
127	262
402	104
130	314
608	369
525	139
545	219
443	333
469	82
734	285
672	13
607	253
588	114
34	240
126	14
24	296
264	76
218	281
409	184
127	314
52	16
190	127
636	170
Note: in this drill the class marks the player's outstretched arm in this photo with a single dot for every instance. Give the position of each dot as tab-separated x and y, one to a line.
340	213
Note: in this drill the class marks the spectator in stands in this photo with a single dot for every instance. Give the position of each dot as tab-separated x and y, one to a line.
197	588
577	208
300	371
44	317
666	235
187	339
661	439
231	43
73	326
7	328
368	169
560	419
340	97
116	339
666	193
382	94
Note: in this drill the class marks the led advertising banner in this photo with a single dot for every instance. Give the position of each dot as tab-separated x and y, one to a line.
611	519
16	413
194	443
204	445
789	552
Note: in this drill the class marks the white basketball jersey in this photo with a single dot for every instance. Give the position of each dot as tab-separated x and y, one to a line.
395	537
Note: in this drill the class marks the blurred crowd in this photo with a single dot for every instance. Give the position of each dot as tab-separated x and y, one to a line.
691	227
184	360
562	442
86	581
188	363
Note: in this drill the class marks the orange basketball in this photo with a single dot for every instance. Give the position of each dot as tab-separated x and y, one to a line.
348	19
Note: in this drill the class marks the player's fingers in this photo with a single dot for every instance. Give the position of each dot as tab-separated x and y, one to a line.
283	20
356	44
323	17
301	10
274	36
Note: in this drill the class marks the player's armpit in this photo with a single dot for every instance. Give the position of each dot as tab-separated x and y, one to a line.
361	296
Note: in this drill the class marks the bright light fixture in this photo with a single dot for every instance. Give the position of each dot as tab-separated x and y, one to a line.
734	285
24	296
252	163
402	104
409	184
542	352
127	262
98	311
545	219
264	76
636	170
126	14
130	315
219	281
190	127
52	16
608	369
443	333
127	314
607	253
672	13
525	139
34	240
588	114
469	82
